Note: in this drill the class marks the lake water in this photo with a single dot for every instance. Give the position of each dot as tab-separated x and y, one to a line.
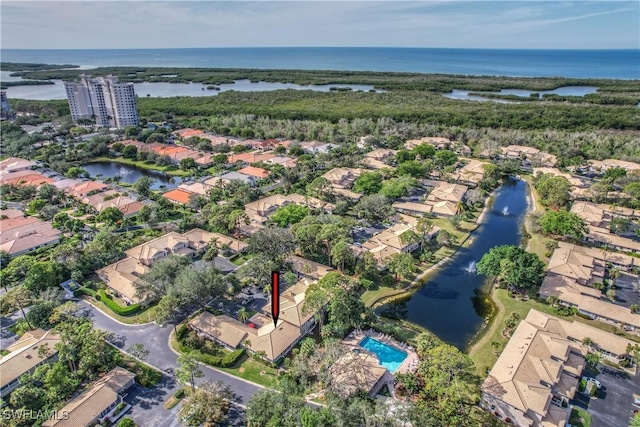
609	64
448	304
160	89
562	91
130	174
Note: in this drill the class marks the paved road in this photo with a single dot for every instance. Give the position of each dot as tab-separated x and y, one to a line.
614	404
6	336
147	403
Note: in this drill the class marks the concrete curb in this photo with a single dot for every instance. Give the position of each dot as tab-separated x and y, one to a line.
217	370
111	317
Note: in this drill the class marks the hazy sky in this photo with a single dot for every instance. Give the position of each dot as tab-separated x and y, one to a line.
579	24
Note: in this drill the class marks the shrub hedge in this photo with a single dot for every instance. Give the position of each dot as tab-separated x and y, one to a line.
117	308
85	291
227	361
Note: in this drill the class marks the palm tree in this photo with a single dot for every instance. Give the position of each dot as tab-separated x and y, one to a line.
552	300
243	314
588	342
267	289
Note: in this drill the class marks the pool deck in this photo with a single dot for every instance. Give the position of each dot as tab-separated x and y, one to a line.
408	365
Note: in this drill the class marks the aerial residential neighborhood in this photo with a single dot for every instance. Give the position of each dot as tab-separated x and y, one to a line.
253	214
199	257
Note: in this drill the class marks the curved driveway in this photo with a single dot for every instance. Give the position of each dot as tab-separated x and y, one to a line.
148	403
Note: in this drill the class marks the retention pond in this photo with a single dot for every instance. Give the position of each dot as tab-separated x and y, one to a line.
451	303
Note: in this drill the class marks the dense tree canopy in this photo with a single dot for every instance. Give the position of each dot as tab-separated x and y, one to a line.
290	214
368	183
563	223
374	207
513	265
553	190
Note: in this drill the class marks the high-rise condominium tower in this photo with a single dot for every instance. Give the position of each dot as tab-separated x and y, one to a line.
104	100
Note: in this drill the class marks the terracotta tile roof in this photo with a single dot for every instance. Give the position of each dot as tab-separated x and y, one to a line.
130	208
200	239
528	368
196	187
446	191
255	157
254	171
27	178
178	195
11	213
11	164
83	189
188	133
19	235
264	337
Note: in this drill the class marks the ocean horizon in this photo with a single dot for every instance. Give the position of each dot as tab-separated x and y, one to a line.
571	63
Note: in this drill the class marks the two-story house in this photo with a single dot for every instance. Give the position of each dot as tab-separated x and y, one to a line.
534	378
259	335
33	349
121	275
98	403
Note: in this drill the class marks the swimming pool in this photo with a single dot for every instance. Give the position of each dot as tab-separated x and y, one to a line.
389	356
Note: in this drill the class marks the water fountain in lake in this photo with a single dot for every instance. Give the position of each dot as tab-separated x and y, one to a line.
123	172
471	268
505	211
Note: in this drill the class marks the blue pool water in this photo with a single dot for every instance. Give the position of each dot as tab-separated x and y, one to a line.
390	357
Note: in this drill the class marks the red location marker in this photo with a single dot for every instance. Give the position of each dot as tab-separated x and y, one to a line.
275	296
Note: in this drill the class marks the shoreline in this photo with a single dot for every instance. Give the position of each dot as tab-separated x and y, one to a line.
242	58
139	164
489	325
487	330
416	282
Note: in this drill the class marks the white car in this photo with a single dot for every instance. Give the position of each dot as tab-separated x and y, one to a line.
593	380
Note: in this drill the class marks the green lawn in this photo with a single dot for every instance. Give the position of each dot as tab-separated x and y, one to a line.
536	242
246	368
255	371
579	417
399	329
145	316
145	375
482	352
241	259
371	296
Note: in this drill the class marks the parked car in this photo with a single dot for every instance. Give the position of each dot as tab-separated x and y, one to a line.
593	380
